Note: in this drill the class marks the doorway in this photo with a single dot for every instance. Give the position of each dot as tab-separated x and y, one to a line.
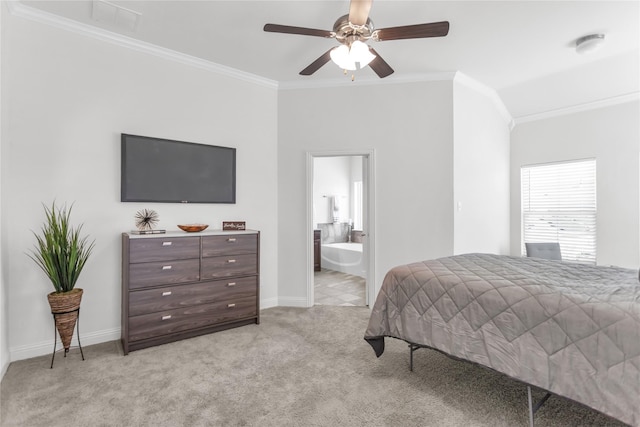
339	224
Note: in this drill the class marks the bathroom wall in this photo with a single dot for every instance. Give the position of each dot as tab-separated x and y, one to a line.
356	175
331	178
333	195
337	232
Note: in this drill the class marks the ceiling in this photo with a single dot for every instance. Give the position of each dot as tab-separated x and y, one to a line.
524	50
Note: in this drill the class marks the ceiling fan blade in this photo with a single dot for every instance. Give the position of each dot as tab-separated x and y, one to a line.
359	11
287	29
379	66
434	29
317	64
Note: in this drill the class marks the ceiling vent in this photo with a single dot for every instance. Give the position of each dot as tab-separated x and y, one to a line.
117	16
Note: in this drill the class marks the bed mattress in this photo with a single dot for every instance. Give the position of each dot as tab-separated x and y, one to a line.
571	329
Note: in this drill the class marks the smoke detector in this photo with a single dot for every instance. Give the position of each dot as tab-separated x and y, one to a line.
589	43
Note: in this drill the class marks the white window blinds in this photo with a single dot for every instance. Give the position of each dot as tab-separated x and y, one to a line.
559	205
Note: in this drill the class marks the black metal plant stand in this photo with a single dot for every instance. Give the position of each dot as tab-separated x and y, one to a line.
55	336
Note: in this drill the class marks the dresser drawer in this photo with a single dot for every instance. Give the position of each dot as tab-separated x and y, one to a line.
169	298
161	249
182	319
227	266
234	244
163	273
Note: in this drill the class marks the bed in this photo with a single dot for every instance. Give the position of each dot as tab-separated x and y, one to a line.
570	329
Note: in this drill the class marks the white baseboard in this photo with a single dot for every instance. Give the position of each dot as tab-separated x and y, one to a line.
3	370
292	302
46	347
268	303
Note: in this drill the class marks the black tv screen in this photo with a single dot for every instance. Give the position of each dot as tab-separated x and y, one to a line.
162	170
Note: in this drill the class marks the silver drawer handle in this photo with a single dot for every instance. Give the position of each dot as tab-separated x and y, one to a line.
231	261
166	267
231	239
231	305
166	294
166	243
231	284
166	317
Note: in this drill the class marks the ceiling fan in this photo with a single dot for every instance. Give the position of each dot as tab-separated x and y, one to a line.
352	31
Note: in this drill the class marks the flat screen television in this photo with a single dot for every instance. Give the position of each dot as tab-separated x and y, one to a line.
167	171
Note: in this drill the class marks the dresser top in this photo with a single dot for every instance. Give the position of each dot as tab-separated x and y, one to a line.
180	233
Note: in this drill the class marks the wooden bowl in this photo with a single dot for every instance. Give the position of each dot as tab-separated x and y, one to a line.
193	228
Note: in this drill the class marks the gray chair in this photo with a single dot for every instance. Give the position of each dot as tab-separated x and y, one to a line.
544	250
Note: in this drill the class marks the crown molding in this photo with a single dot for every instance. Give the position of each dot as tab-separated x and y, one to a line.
16	8
601	103
489	93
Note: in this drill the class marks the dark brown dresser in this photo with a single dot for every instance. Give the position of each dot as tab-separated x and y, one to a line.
179	285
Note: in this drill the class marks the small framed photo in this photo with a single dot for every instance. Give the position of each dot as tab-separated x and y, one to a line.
233	225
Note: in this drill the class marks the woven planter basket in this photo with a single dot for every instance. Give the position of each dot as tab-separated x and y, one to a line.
64	306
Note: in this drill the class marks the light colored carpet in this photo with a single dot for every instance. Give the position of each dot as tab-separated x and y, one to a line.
299	367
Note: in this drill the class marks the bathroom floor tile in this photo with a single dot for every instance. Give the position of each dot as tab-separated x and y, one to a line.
336	288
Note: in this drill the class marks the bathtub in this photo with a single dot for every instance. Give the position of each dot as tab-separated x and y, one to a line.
344	257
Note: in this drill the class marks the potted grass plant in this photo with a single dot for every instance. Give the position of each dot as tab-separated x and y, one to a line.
61	252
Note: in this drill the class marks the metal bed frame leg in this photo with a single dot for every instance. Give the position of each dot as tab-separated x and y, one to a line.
412	348
534	408
530	406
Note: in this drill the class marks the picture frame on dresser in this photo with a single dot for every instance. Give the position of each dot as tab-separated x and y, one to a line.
177	286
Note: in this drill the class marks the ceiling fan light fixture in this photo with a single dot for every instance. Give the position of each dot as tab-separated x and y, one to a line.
354	58
589	43
361	54
340	56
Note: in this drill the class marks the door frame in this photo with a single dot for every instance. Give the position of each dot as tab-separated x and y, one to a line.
368	183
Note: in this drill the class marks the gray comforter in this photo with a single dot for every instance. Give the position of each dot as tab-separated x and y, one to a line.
571	329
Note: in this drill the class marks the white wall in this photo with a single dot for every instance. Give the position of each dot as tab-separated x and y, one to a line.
331	178
410	128
70	96
481	172
611	135
4	312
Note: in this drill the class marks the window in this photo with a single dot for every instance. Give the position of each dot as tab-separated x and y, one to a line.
559	205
